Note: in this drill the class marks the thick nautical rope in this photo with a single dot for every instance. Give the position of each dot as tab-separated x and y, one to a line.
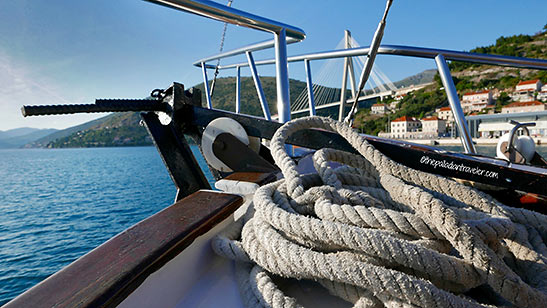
379	234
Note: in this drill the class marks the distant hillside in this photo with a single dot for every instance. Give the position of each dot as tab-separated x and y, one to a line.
418	79
224	94
15	138
44	141
17	132
476	76
117	129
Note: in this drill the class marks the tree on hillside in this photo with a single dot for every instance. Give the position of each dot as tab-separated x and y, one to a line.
503	100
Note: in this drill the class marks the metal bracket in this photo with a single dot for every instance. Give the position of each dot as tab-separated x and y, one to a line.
174	98
171	142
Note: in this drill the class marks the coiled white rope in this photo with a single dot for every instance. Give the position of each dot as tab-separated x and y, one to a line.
379	234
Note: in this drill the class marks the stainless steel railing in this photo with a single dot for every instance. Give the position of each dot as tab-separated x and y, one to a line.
410	51
439	55
230	15
284	34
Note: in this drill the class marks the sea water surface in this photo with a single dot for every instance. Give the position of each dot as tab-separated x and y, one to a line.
58	204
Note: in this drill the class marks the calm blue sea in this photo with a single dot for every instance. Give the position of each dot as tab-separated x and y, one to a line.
58	204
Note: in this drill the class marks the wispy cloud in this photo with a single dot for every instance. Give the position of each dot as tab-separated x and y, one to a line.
22	84
18	81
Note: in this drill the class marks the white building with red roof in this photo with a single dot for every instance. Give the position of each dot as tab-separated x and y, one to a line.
526	91
399	96
433	125
401	127
445	113
476	101
524	107
529	85
378	109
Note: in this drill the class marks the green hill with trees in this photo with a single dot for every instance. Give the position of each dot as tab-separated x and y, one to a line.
118	129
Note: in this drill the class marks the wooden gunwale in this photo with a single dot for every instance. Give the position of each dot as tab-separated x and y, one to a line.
108	274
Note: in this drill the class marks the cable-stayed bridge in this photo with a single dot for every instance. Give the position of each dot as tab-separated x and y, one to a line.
325	95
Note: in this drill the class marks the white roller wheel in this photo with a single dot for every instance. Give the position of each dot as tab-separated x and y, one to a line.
254	144
499	153
215	128
523	144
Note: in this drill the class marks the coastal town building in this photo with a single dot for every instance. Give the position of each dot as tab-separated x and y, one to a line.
495	125
476	101
433	125
378	109
542	94
524	107
401	127
528	85
481	118
526	91
445	113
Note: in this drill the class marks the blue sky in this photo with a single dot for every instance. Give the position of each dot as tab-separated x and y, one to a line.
54	51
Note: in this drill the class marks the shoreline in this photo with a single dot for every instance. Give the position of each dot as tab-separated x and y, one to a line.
477	141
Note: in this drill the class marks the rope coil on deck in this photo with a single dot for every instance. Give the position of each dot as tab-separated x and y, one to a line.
379	234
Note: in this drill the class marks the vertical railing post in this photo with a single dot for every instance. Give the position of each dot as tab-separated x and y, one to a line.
348	67
343	91
258	86
455	105
238	89
311	99
282	77
206	85
352	77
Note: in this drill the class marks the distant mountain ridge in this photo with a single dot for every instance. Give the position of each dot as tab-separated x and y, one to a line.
117	129
17	132
44	141
418	79
18	137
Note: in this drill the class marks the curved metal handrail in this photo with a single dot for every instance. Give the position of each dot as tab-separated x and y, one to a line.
282	32
239	51
230	15
439	55
411	51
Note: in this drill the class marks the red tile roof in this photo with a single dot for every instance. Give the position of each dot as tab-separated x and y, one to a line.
433	118
379	105
527	82
524	104
405	119
478	92
444	109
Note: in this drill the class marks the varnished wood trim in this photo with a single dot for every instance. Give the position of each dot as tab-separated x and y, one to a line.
259	178
108	274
